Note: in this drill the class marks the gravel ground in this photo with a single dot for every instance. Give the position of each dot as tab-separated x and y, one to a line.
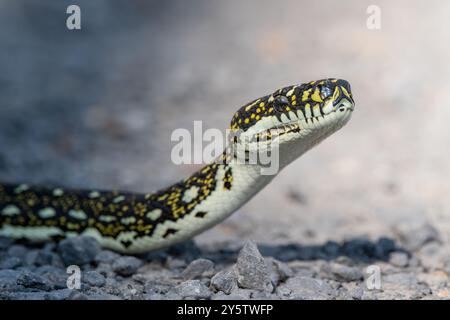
96	109
414	267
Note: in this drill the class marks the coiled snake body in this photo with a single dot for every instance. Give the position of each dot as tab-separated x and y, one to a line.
295	117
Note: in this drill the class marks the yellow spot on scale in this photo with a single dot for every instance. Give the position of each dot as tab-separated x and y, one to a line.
262	104
305	95
247	120
345	92
336	93
316	96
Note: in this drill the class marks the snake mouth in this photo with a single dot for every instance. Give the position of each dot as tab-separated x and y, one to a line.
275	132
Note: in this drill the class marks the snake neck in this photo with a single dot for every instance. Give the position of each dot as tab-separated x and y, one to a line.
128	222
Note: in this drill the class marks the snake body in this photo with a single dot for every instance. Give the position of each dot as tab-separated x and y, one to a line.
295	117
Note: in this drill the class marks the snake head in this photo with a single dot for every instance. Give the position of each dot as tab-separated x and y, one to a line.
312	99
297	117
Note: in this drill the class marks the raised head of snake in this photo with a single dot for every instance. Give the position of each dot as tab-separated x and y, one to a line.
293	119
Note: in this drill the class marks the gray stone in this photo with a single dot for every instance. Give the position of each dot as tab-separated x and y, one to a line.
62	294
10	263
5	242
79	250
93	279
251	269
39	258
102	296
402	285
193	289
31	280
400	279
126	266
399	259
224	281
8	280
55	276
198	268
279	271
157	287
17	250
106	256
341	272
76	295
305	288
39	295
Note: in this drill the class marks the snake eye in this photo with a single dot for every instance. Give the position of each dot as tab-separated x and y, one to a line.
281	101
325	92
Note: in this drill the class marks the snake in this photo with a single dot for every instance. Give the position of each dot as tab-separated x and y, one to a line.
285	124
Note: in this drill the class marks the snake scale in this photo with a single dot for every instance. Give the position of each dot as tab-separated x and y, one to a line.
296	117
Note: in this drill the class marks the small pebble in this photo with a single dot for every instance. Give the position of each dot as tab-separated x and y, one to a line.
94	279
79	250
8	280
341	272
126	266
224	281
106	256
31	280
11	263
279	271
305	288
5	242
194	289
17	250
198	268
251	269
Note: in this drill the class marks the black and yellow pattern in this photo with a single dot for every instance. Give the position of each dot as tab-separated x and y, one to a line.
110	212
307	98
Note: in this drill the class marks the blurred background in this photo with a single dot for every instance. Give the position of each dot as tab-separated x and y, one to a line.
96	108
